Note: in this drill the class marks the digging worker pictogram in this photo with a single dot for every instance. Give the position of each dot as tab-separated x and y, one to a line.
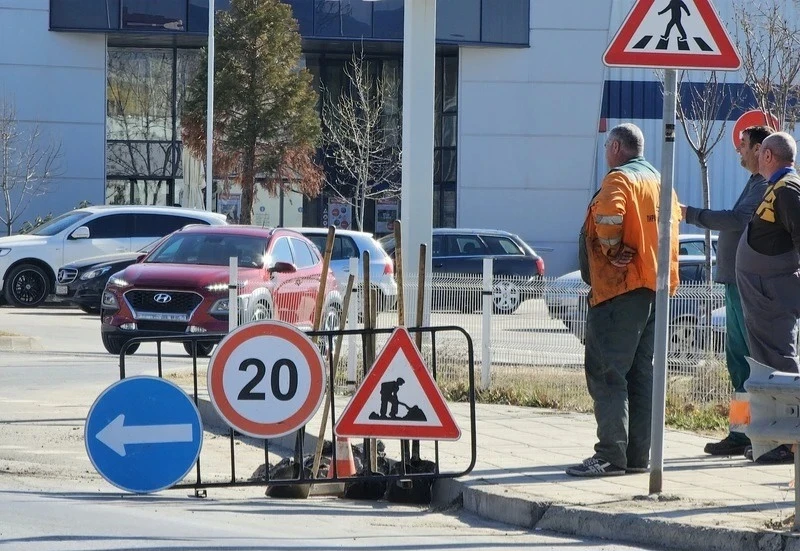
389	391
675	7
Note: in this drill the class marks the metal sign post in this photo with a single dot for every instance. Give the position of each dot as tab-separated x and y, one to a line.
662	283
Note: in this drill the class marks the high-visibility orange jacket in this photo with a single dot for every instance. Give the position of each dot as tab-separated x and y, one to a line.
625	212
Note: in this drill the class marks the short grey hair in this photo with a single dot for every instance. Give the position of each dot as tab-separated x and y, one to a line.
782	145
630	138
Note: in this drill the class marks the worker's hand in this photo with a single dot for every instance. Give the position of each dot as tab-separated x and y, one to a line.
683	212
623	257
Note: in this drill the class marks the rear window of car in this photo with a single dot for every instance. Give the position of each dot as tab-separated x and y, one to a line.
465	245
155	225
343	246
501	245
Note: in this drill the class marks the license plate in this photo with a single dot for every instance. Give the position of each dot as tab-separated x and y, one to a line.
62	289
157	316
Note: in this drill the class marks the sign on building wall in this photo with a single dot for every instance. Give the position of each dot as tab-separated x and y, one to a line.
340	215
386	212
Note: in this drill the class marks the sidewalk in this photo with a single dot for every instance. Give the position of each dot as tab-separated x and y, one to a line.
708	503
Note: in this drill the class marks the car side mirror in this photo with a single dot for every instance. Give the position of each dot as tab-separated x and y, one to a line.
81	233
140	258
283	268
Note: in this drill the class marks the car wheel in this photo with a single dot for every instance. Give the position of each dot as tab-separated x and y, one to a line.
331	321
203	349
261	311
27	286
113	344
506	296
683	345
90	309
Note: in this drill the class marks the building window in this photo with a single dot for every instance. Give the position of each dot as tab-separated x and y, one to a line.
328	72
146	162
445	159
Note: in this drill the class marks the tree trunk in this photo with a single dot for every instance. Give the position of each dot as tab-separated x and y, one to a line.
248	184
706	205
362	206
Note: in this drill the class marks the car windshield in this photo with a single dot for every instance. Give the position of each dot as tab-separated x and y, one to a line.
209	249
60	223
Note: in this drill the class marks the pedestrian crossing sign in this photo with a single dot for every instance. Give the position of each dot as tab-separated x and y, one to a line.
673	34
398	398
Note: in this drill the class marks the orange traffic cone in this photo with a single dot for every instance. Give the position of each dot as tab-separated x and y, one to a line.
345	464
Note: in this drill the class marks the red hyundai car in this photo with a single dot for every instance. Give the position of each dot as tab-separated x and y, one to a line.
181	286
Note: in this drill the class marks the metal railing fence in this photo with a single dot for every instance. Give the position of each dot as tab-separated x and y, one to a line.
528	334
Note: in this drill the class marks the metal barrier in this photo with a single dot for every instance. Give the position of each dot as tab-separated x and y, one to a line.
327	338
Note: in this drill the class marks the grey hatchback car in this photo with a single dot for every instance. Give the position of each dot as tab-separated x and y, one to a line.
349	244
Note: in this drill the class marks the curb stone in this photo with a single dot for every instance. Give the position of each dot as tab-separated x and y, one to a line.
20	344
487	501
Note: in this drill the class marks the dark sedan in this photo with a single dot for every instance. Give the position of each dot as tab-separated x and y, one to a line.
458	256
82	282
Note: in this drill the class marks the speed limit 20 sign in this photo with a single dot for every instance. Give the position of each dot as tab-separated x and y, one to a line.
266	379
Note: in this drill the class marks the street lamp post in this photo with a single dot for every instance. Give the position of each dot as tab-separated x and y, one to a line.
419	70
210	110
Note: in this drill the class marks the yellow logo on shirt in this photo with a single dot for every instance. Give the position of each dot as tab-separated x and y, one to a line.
765	210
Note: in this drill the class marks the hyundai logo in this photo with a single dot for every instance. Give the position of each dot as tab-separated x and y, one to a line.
162	298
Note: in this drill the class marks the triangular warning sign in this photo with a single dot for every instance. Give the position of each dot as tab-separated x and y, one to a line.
398	398
678	34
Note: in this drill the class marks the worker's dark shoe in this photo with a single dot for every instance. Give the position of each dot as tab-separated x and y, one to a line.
726	446
634	470
779	456
594	467
748	453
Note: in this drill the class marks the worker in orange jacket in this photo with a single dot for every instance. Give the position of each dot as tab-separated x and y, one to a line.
618	257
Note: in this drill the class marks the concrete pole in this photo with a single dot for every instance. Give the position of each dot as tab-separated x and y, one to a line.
210	110
419	64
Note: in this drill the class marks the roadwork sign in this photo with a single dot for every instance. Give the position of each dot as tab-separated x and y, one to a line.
266	379
398	398
674	34
143	434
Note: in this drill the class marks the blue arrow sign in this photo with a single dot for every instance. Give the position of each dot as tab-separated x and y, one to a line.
143	434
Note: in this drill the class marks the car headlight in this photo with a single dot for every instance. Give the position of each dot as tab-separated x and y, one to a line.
4	252
118	282
220	308
97	272
217	287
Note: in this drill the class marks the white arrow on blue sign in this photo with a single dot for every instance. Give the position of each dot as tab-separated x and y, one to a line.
143	434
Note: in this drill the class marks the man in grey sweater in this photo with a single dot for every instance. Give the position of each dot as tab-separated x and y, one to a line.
731	224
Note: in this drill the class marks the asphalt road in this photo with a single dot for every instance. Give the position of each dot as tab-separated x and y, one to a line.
52	499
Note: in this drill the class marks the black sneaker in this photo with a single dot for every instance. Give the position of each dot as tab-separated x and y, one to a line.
593	467
727	446
748	453
779	456
636	470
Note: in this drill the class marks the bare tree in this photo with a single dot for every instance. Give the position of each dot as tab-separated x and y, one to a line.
703	113
768	39
361	137
29	161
